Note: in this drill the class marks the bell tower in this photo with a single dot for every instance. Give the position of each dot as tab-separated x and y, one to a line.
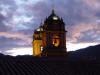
50	38
37	41
54	36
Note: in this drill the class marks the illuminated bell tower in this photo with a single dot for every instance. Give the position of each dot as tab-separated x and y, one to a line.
37	41
54	36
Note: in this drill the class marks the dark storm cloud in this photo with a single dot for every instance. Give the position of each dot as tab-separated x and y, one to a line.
8	8
8	36
88	38
3	27
76	14
19	18
98	14
72	12
10	43
7	2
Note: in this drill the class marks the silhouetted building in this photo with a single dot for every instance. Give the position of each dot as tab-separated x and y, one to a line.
50	38
73	64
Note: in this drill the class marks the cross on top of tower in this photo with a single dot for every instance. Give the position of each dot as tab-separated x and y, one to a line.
41	24
53	11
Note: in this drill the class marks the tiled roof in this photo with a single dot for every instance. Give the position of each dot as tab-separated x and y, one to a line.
46	66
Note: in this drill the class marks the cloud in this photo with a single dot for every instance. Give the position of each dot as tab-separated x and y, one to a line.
83	33
3	27
92	2
20	51
19	18
16	36
14	40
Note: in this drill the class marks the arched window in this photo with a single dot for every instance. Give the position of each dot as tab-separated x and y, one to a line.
56	41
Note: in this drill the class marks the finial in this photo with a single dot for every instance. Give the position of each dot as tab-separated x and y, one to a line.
41	23
61	19
53	11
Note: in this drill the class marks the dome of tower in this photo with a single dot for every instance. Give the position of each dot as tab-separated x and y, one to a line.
54	22
39	29
53	17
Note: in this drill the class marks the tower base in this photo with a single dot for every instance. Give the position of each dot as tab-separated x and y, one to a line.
54	52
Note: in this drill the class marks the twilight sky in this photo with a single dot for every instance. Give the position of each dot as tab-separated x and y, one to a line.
19	18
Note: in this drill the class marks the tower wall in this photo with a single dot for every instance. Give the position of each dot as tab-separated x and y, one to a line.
37	47
37	44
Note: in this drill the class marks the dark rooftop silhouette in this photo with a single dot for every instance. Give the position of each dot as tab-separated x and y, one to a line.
80	62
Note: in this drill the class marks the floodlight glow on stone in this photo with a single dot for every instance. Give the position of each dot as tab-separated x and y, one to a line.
39	29
55	18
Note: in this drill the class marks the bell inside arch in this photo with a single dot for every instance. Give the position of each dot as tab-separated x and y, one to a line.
56	41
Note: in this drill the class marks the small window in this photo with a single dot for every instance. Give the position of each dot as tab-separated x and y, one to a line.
41	48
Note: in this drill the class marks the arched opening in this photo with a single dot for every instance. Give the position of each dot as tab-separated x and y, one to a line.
56	41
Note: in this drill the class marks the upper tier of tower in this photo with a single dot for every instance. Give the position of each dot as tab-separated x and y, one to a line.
53	22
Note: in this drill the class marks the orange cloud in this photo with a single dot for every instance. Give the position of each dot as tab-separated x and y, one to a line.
76	31
84	27
17	36
93	3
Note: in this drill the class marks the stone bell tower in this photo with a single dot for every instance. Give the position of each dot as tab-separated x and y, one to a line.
50	38
54	36
37	41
